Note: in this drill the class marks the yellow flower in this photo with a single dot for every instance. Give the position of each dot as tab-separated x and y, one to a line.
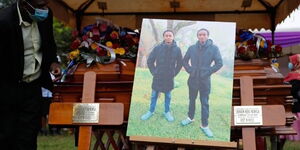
74	54
109	44
94	46
276	65
120	51
262	43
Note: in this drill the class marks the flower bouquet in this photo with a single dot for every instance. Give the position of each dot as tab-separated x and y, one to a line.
251	45
101	43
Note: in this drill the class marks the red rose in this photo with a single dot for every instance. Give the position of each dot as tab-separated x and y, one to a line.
85	37
75	33
75	44
96	31
103	27
269	43
114	35
278	49
250	42
252	48
96	34
96	38
242	50
101	52
115	45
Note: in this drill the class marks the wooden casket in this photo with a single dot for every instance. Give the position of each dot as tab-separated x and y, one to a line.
114	84
268	89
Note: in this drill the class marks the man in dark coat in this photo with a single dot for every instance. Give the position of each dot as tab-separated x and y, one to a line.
164	62
202	55
28	53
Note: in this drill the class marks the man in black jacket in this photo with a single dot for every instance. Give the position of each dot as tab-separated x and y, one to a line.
164	63
202	55
27	54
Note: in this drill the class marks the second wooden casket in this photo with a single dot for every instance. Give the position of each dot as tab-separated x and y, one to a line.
114	84
268	89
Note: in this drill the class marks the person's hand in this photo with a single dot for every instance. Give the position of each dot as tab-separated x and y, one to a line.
55	69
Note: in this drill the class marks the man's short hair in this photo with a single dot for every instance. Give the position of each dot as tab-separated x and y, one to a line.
168	31
203	29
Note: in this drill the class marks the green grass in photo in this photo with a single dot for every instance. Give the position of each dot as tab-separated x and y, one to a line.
158	126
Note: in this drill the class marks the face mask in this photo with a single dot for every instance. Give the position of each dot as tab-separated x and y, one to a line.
39	14
290	66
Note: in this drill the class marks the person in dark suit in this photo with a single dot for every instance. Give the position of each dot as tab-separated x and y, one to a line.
27	55
201	55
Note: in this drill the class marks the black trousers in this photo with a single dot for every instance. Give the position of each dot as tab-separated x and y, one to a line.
20	115
204	98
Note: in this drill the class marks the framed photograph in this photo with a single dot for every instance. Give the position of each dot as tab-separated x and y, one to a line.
183	80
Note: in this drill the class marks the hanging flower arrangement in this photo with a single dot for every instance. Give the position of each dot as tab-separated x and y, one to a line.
250	45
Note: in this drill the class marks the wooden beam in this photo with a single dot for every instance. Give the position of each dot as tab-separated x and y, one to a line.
87	5
89	87
247	96
88	96
272	14
83	5
176	13
65	5
278	4
85	133
150	147
78	16
110	114
266	4
183	142
249	138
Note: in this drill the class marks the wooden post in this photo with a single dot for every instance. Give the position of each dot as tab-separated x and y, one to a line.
150	147
88	96
247	96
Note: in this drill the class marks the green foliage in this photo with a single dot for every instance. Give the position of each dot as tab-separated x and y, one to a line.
63	39
59	142
66	142
6	3
62	36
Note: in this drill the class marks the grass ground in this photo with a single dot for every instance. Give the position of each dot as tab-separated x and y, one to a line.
66	142
57	142
220	108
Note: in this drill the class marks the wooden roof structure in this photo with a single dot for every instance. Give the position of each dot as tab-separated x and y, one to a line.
248	14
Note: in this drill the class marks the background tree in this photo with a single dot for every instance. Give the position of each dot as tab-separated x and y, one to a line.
62	36
6	3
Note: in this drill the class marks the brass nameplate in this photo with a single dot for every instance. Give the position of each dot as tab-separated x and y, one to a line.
86	113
